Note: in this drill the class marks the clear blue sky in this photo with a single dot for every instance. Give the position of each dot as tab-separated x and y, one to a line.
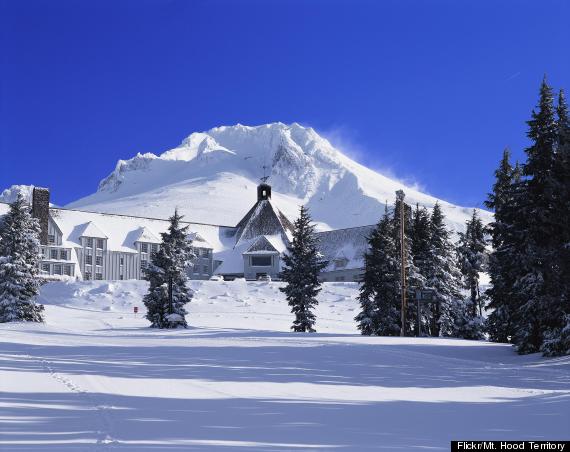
431	91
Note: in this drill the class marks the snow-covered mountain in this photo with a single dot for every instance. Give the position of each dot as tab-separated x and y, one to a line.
211	177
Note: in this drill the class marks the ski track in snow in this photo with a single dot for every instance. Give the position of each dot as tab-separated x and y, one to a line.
95	378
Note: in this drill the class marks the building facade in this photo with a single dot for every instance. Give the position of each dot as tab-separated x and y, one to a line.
77	244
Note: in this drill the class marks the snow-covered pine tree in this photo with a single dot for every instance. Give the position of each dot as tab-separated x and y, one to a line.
443	276
502	261
557	336
19	265
379	290
414	279
421	245
302	265
472	254
166	272
536	226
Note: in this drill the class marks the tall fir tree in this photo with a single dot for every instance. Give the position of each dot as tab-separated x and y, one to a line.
472	254
19	265
535	224
472	259
379	290
557	323
168	294
421	246
302	265
442	276
503	258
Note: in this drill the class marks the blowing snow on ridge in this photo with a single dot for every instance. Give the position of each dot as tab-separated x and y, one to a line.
211	177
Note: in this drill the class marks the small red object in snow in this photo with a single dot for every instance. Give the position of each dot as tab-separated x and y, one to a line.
136	309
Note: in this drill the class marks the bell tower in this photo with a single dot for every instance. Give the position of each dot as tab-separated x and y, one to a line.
263	191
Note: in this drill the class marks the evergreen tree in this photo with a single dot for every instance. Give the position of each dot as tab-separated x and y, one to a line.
472	261
379	291
503	260
443	276
166	273
19	265
421	246
302	265
557	321
536	284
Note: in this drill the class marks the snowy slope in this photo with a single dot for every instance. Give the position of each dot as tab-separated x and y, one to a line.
96	378
212	177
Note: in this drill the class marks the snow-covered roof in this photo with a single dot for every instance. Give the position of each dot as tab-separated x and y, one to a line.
123	231
146	235
263	219
349	244
92	230
261	245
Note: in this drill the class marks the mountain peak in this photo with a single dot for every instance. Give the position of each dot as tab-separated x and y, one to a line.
212	177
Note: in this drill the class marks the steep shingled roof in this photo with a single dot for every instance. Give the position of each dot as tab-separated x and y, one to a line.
349	244
263	219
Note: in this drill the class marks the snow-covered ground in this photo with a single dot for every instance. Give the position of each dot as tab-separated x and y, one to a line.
94	377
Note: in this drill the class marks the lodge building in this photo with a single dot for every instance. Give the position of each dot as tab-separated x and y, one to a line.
78	244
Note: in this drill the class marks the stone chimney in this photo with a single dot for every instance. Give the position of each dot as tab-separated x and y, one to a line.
263	192
40	210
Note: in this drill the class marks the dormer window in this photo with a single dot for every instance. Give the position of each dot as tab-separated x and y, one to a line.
51	238
340	263
144	247
100	244
89	242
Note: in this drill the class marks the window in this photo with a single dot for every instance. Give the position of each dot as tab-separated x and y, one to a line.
205	270
144	263
89	242
144	247
121	260
339	278
340	263
63	255
154	247
87	275
121	277
100	244
67	270
57	269
43	252
45	268
260	261
88	259
98	260
51	238
99	276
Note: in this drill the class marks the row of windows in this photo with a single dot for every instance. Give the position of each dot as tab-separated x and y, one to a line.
99	243
145	247
58	269
56	254
88	276
201	252
205	269
89	260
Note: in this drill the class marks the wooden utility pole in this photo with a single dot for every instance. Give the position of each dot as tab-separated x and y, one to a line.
400	195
